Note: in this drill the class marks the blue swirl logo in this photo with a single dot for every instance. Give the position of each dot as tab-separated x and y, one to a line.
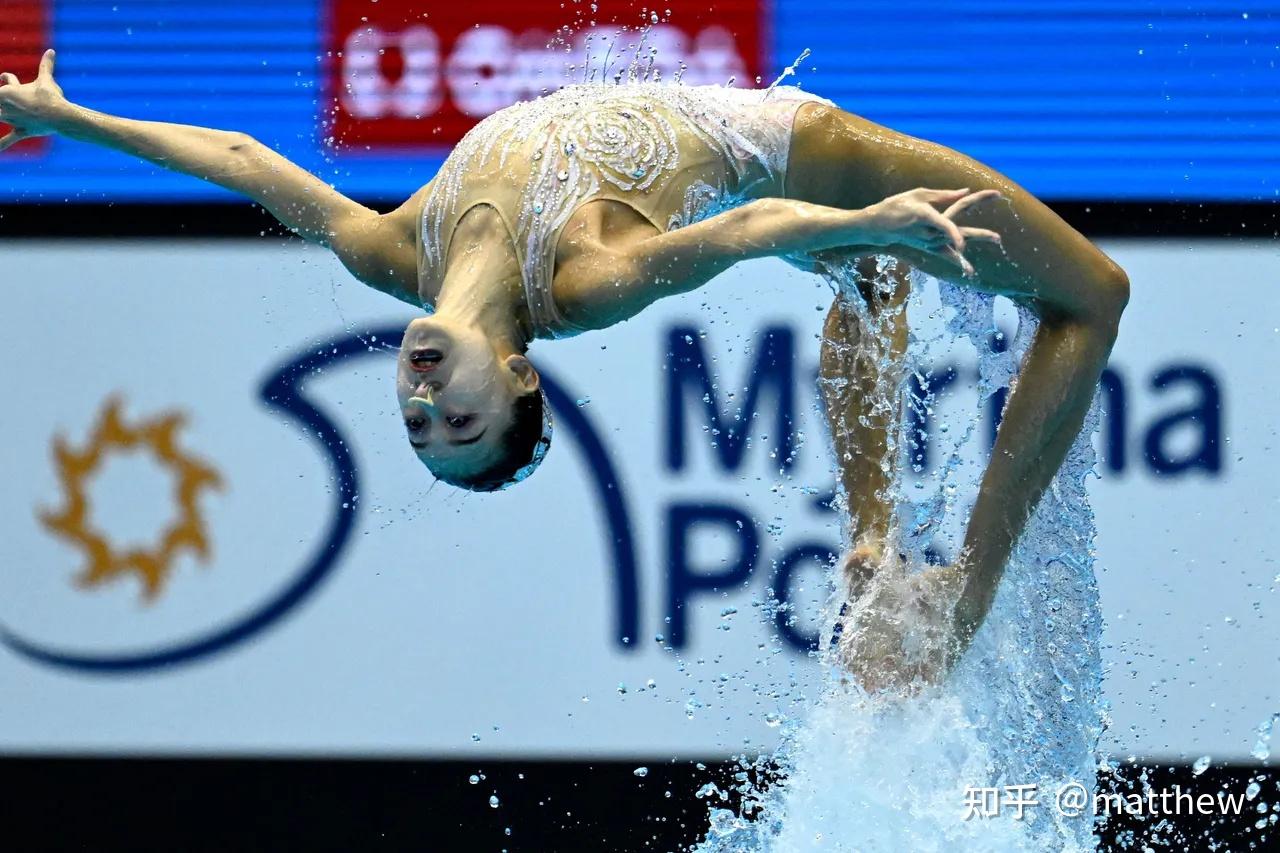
284	391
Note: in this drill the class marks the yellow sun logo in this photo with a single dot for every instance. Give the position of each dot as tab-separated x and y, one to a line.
74	523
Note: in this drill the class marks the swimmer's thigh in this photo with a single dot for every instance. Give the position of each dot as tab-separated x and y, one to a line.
842	160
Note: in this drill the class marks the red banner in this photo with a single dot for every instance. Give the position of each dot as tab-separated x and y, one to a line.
24	36
417	73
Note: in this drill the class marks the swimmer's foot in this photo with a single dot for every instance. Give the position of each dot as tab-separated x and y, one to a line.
899	632
860	566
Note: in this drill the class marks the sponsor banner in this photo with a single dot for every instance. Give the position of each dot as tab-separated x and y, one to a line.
216	539
404	75
391	85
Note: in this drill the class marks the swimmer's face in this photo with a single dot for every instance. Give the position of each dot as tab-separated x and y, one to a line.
457	396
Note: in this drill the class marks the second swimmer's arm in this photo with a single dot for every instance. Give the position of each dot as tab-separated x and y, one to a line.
380	250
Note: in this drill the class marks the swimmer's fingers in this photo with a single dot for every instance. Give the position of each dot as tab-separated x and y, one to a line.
936	239
46	65
45	74
943	249
982	235
925	203
938	196
969	201
30	108
944	230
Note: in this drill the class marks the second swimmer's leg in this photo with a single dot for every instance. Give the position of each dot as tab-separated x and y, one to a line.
858	377
1077	291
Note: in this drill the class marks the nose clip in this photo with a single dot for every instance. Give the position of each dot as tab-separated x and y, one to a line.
426	396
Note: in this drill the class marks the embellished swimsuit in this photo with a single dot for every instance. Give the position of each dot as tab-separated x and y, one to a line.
674	154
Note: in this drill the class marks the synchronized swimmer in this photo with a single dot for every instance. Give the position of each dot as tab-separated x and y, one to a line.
577	210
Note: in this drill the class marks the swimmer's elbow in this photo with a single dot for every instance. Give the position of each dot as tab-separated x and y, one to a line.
1105	296
243	154
243	161
1112	296
240	142
1120	290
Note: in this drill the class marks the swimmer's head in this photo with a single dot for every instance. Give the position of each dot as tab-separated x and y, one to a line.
474	414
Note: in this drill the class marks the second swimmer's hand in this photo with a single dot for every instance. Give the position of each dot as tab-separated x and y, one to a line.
31	109
924	219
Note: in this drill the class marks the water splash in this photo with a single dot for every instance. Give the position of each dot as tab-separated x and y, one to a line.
789	71
1262	747
886	772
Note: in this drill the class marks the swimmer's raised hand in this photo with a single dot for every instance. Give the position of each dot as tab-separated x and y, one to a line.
918	219
31	109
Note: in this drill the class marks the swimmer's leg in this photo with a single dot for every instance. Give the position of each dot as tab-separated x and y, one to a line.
1077	292
897	634
858	377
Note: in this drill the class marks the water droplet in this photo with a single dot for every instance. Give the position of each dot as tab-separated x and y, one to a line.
1262	747
641	772
1201	765
494	802
474	779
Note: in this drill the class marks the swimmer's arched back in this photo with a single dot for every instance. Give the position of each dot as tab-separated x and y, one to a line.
577	228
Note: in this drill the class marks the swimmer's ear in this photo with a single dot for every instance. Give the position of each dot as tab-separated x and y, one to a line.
526	373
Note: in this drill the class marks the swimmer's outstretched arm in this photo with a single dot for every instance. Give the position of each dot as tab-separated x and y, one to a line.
378	249
611	284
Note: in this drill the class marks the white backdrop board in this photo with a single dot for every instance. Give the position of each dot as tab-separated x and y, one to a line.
346	606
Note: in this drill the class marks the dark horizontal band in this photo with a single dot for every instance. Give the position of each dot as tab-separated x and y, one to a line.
194	804
1095	219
